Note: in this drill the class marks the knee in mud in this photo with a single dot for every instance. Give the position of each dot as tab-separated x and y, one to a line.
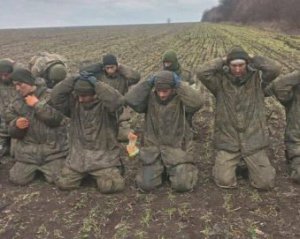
144	185
223	178
19	180
295	175
184	177
150	177
111	184
64	185
266	181
294	170
225	182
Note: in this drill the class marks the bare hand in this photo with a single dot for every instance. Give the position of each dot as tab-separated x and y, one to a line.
31	100
22	123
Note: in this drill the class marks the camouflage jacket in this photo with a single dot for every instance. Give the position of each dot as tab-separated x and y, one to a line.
185	75
167	129
39	64
240	121
7	94
125	77
286	88
92	137
46	137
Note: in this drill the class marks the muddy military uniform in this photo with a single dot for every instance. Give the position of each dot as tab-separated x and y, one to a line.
168	137
121	81
49	67
171	56
43	145
94	148
7	95
240	120
286	88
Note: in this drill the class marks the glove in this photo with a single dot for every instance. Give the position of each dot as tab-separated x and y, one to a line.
176	79
87	76
92	79
31	100
151	81
22	123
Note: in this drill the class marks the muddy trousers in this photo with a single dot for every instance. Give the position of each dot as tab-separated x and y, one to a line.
109	180
183	177
4	139
124	129
261	172
294	169
124	124
23	173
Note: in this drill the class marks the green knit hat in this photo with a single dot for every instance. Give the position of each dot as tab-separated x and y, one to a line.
23	75
83	87
164	80
57	72
6	66
171	56
237	52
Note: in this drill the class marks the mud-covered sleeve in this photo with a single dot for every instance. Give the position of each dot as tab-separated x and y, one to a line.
14	131
130	74
137	97
190	97
208	74
11	117
283	86
270	69
95	69
47	113
61	95
110	97
188	77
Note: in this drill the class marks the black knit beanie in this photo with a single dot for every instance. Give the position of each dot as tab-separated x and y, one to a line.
6	66
109	59
23	75
237	52
83	87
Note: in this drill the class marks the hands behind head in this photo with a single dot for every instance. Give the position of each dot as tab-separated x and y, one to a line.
176	80
87	76
31	100
22	123
151	80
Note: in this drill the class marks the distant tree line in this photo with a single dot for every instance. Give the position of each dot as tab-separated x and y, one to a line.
245	11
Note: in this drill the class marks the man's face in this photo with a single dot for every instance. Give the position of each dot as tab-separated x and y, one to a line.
165	94
238	69
111	70
83	99
24	89
5	76
167	64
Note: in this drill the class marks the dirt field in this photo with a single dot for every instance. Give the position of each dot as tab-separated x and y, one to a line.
42	211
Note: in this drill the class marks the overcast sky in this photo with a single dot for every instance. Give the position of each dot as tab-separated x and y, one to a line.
44	13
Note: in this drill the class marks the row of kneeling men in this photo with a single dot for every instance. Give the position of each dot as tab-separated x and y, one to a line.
74	129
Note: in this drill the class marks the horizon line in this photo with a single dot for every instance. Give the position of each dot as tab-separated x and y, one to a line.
105	25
